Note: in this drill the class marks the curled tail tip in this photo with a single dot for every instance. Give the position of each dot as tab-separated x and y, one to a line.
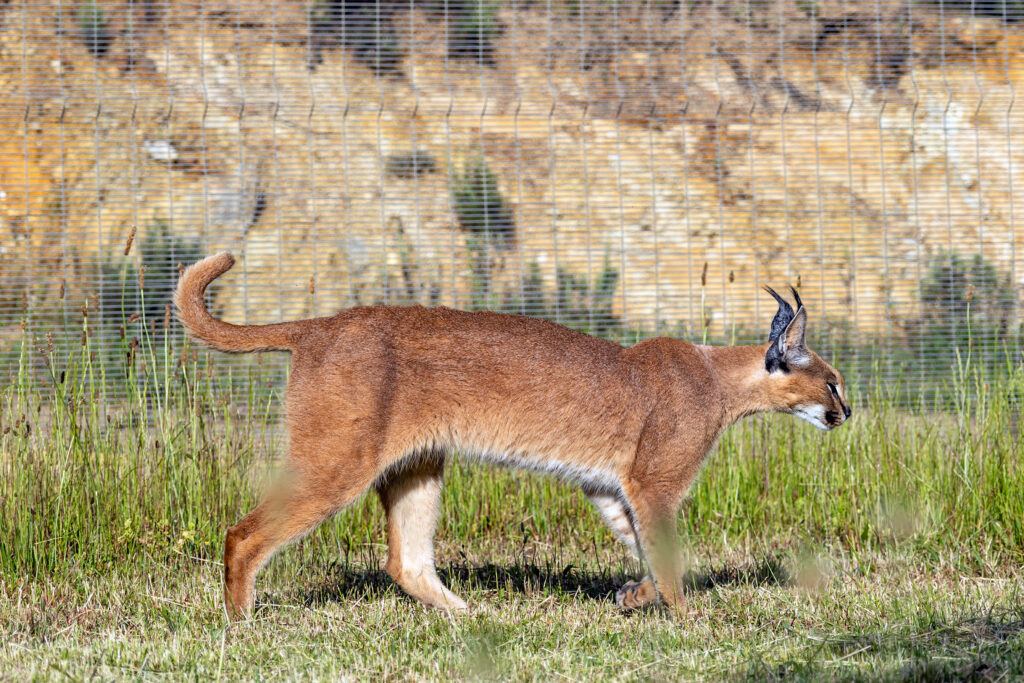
219	262
188	296
206	269
217	334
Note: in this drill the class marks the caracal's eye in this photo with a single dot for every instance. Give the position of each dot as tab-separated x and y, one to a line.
835	390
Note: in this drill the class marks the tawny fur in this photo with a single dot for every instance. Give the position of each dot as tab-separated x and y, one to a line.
378	396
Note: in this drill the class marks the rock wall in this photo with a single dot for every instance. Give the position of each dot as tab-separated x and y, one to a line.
824	144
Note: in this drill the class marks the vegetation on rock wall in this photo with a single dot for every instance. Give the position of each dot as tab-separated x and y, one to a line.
94	27
486	219
588	305
966	310
473	28
365	27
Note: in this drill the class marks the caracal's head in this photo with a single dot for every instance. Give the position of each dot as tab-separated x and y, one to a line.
799	381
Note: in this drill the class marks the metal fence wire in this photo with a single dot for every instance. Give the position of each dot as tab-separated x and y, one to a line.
626	167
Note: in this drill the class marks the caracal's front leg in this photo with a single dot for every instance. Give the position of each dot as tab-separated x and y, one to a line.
659	479
632	594
650	533
656	528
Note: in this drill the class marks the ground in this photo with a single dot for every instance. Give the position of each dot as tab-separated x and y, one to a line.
538	611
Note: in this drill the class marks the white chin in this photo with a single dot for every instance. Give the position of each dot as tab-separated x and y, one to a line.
813	414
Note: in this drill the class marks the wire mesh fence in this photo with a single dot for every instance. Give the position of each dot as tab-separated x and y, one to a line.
628	168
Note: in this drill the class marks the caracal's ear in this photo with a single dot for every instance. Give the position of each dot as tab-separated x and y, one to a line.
788	336
795	335
783	316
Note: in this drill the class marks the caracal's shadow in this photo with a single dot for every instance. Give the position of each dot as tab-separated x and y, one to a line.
351	583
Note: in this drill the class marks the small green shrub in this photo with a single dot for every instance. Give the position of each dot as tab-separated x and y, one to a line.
529	298
966	309
479	206
588	306
408	165
486	219
809	7
473	29
575	302
362	26
94	28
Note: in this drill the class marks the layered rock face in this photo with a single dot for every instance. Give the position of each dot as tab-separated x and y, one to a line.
694	151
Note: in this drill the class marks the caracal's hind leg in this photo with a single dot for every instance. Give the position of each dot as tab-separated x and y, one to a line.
412	499
295	506
632	594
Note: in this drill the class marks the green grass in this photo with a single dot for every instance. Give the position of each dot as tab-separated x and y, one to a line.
891	548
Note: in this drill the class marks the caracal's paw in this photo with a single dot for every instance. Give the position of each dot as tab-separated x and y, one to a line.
237	614
636	594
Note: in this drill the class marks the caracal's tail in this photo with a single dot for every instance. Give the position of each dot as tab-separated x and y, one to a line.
192	312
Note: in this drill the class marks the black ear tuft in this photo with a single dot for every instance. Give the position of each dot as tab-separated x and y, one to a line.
796	297
775	359
783	316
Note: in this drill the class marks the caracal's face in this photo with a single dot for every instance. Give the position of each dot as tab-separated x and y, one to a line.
814	391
